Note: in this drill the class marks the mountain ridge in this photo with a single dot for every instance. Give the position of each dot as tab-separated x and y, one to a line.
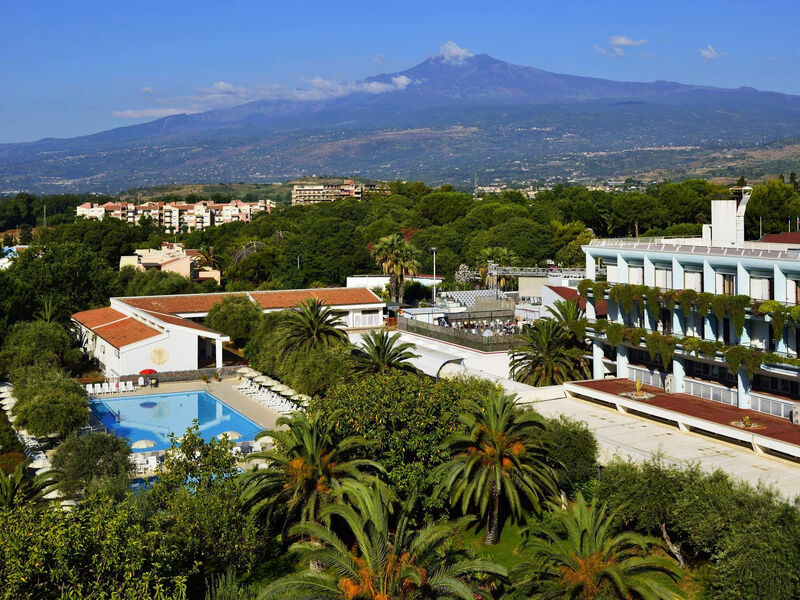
270	137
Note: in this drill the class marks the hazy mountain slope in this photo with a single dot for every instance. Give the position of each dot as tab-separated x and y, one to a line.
441	118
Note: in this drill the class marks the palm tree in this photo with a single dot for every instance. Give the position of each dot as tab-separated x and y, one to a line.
303	470
581	559
381	563
380	352
312	325
496	254
385	252
501	459
547	356
568	314
207	258
396	258
19	488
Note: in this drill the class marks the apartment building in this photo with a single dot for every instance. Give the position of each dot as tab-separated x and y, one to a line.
312	193
173	258
177	216
711	299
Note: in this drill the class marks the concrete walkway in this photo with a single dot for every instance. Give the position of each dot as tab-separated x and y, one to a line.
636	438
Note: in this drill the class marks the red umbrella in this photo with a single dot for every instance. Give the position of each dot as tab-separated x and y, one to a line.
148	372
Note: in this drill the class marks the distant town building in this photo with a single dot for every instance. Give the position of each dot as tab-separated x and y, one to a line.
8	254
173	258
312	193
177	216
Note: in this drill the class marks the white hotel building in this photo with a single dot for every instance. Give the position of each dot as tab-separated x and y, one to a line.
719	262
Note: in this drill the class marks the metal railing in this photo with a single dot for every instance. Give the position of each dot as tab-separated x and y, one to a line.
459	337
711	391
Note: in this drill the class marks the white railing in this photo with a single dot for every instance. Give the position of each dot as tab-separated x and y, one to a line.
646	376
711	391
770	405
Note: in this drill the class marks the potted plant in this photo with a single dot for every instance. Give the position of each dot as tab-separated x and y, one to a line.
216	376
204	378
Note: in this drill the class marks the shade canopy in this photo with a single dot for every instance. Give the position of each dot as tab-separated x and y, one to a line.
301	398
262	379
282	389
148	372
243	370
140	444
252	374
288	392
231	435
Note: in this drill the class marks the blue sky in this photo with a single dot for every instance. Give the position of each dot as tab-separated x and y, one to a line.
72	68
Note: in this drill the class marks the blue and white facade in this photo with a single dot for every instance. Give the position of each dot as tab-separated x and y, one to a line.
719	262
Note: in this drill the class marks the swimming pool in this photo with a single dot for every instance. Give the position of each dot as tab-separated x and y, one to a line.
154	417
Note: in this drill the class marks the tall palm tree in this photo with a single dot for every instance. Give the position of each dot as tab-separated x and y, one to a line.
303	470
397	259
582	559
385	252
501	459
312	325
547	356
568	314
380	352
19	488
381	563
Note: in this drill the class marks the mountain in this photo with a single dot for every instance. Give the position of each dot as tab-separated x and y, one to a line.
439	120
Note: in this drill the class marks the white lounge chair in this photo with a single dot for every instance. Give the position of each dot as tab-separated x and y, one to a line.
152	463
89	389
140	383
105	389
129	386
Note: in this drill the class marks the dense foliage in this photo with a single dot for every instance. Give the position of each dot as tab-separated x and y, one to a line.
49	402
235	316
82	460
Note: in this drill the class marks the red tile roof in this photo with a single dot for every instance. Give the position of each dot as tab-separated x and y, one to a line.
173	320
329	296
178	303
125	332
786	237
601	307
98	317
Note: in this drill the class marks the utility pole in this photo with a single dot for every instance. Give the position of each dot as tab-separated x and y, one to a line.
760	232
45	214
434	275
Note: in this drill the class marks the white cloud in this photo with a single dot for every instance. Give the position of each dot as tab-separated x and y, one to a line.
453	54
222	94
621	40
617	45
709	53
150	113
378	59
147	90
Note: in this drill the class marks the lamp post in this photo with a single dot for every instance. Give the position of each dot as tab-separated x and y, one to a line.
433	249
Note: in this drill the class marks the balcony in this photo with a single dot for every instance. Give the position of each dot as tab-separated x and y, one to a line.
474	341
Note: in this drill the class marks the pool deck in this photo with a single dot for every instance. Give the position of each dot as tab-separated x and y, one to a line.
222	390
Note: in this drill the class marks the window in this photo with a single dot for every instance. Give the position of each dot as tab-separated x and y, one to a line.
611	272
761	288
726	284
663	278
636	275
693	280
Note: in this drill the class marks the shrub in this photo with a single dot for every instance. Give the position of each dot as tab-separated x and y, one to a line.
49	402
408	417
574	447
10	460
9	442
92	456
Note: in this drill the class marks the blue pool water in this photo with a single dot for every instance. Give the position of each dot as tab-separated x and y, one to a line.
154	417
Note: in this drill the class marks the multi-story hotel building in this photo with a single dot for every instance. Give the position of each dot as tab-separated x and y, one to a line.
312	193
720	263
177	216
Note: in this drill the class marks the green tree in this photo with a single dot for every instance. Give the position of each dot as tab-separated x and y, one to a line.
383	562
397	259
502	459
379	351
154	282
579	557
37	343
312	325
407	418
304	469
236	317
18	487
49	402
97	455
546	356
569	315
